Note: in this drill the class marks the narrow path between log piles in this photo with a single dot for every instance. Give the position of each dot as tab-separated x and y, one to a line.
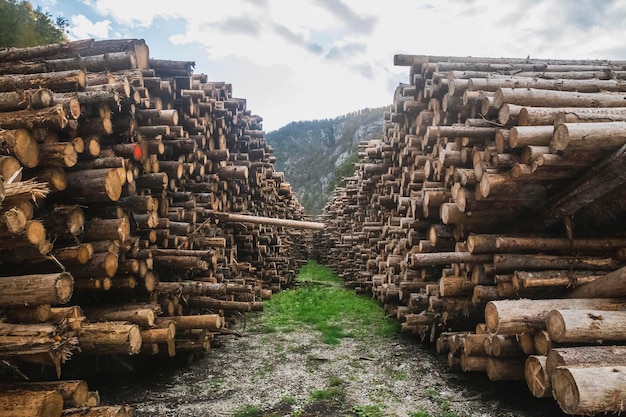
292	368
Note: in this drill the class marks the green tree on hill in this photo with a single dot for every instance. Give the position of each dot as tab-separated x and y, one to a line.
21	25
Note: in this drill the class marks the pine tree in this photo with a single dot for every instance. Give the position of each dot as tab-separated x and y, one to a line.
21	25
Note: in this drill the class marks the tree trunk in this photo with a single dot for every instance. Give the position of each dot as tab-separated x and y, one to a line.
101	265
103	229
93	186
589	136
25	99
36	289
53	117
585	356
473	363
445	258
554	279
507	369
590	390
245	218
551	98
73	392
59	81
98	411
60	154
26	403
142	317
612	284
586	326
521	136
515	262
109	337
534	116
581	86
517	316
215	304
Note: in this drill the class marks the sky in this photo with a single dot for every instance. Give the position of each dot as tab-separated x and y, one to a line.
314	59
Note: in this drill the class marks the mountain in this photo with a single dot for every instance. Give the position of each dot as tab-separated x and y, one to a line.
316	154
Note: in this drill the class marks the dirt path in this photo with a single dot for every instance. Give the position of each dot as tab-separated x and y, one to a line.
294	374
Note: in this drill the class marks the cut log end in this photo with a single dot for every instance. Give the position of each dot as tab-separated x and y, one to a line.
64	287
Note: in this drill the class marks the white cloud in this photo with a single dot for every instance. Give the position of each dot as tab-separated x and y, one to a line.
82	28
320	58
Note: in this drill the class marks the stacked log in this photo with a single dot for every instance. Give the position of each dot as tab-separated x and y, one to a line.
119	175
489	218
56	399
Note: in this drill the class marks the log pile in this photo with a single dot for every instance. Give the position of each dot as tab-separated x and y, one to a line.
489	219
55	399
119	174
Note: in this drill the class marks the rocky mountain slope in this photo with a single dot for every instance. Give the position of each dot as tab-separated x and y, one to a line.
315	154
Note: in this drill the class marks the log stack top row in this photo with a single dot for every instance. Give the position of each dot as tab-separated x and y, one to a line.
139	206
490	218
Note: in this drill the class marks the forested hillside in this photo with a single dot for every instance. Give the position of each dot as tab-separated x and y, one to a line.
316	154
22	25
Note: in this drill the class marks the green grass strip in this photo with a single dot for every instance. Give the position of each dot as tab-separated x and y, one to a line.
321	302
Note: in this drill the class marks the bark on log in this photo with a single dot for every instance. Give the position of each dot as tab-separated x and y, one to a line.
554	279
535	116
29	314
109	337
612	284
215	304
586	326
24	99
445	258
73	392
244	218
517	316
590	390
589	136
143	317
115	61
36	289
585	356
521	136
210	322
58	81
98	411
25	403
551	98
103	229
505	369
513	262
53	117
541	244
61	154
93	186
36	339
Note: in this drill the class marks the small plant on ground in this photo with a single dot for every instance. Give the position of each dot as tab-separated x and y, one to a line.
327	394
248	411
288	399
420	413
443	402
335	381
400	375
368	410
